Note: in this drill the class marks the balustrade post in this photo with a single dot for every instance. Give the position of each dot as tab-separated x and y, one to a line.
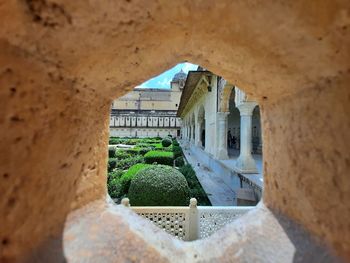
125	202
193	220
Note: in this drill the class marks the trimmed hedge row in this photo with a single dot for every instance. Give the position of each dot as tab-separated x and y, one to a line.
133	141
159	157
128	162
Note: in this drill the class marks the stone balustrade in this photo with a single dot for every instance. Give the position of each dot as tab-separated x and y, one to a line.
189	222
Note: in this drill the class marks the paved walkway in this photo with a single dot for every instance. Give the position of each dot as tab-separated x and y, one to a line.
218	192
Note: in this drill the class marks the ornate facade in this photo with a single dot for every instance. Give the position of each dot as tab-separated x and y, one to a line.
220	119
148	112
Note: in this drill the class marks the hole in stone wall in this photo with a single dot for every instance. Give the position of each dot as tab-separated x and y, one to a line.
198	161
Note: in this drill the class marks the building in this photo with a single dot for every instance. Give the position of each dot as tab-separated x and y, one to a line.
148	112
221	128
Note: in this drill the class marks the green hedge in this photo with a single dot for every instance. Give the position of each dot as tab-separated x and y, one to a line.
166	142
179	161
175	143
177	150
113	183
126	178
159	185
128	162
159	157
121	154
112	163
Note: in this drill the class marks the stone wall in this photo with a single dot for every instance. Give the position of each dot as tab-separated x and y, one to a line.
63	62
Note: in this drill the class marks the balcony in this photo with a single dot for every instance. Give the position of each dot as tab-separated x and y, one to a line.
189	222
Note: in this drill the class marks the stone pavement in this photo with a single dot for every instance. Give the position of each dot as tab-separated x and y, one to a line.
219	193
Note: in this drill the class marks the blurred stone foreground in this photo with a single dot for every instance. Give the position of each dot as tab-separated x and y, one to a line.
63	62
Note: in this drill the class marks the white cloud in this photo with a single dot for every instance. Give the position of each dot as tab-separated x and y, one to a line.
188	66
164	83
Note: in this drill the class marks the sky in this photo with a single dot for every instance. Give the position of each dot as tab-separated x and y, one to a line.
162	81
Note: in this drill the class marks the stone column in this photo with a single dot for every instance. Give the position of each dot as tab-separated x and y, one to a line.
222	135
198	134
245	162
192	133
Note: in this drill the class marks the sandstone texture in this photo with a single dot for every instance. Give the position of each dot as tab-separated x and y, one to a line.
63	62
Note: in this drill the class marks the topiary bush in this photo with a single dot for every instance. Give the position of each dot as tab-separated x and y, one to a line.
159	157
126	178
166	142
159	185
179	161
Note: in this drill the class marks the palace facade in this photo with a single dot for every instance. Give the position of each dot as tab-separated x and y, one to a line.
148	112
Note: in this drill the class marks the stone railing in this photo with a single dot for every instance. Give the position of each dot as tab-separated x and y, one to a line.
192	222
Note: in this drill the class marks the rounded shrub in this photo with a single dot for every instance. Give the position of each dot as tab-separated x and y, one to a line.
159	185
179	161
126	178
166	142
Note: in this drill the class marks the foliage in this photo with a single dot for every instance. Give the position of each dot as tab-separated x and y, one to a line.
117	140
111	152
131	159
145	150
159	185
125	180
159	157
166	142
113	183
128	162
177	150
196	190
132	151
179	161
175	143
121	154
112	162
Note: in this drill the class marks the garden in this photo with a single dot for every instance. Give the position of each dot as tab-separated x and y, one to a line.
151	172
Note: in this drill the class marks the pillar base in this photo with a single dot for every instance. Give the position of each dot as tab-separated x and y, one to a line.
245	165
222	155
